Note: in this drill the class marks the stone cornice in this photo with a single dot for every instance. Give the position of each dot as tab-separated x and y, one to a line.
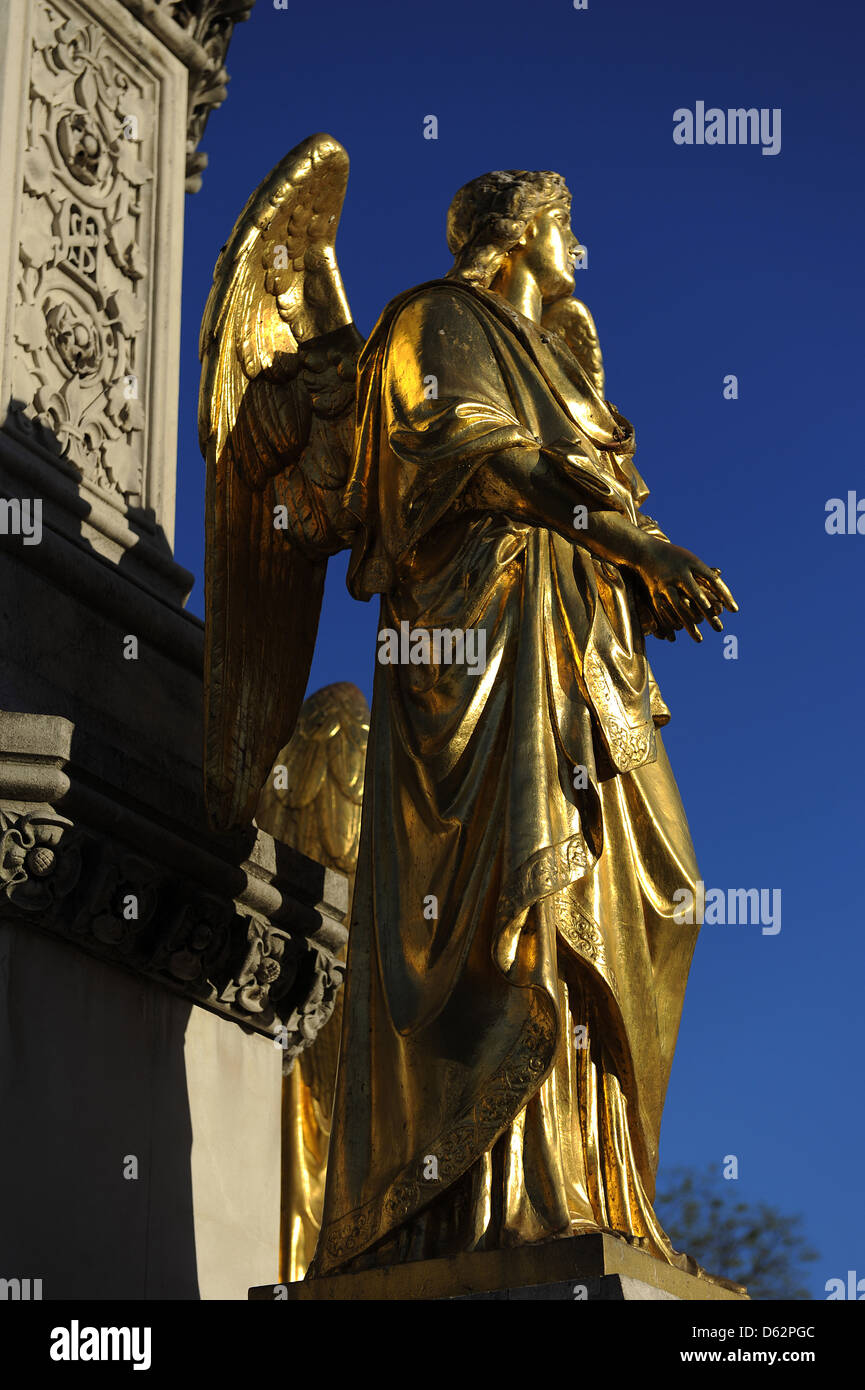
198	33
243	926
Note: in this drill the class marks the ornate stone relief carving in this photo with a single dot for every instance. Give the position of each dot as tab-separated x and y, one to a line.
125	909
325	976
80	317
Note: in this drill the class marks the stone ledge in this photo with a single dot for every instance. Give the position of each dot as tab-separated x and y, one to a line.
243	926
607	1288
556	1264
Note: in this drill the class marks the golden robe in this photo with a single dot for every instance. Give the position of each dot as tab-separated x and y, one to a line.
515	976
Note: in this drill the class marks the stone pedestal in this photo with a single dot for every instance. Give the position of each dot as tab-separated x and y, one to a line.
590	1267
606	1288
141	1133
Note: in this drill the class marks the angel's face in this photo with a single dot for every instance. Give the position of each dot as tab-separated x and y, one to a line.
548	249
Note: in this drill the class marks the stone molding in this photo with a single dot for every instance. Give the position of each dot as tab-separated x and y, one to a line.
249	929
92	175
197	32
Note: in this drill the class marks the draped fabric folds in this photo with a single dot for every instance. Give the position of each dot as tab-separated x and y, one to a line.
515	976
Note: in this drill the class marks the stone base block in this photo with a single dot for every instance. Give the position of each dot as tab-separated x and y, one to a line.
593	1267
609	1288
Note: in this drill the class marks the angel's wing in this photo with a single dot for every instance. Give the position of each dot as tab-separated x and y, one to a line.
572	319
312	798
276	419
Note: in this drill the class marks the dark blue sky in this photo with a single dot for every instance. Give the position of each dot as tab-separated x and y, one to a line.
703	261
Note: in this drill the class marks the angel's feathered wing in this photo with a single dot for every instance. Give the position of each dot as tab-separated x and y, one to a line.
312	799
573	320
276	421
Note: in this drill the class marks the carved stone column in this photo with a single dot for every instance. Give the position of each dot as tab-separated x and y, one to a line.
147	965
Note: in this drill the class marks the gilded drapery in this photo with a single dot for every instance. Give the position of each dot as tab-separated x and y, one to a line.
515	977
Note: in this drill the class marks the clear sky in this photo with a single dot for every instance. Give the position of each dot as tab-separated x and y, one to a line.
704	261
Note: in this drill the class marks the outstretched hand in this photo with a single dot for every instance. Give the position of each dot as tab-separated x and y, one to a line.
682	590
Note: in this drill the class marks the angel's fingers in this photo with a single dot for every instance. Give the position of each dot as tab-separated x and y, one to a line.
728	598
687	604
662	630
706	615
690	620
697	596
716	603
668	612
715	584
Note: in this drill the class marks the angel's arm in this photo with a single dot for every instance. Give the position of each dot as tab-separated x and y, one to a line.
534	485
681	590
674	588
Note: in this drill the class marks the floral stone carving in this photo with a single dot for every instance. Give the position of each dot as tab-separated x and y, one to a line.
81	306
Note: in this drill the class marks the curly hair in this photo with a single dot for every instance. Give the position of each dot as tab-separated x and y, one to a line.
489	215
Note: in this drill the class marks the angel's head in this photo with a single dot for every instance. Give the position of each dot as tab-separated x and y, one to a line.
509	216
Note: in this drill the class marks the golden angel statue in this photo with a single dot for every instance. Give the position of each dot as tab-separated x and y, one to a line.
515	975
